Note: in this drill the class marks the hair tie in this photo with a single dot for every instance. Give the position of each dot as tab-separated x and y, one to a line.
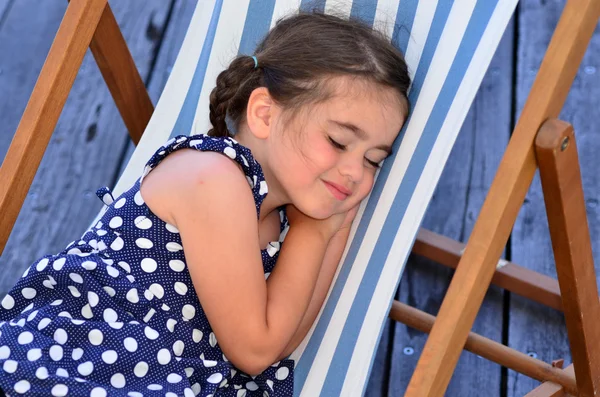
255	62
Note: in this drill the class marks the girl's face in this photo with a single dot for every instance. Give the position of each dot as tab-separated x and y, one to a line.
326	158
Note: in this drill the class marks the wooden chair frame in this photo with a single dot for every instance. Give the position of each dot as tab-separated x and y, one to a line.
539	140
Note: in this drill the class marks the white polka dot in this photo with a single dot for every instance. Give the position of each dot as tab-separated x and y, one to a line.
99	391
282	373
77	322
181	288
34	354
174	378
110	315
25	338
60	390
157	290
148	294
130	344
171	228
270	383
85	368
118	380
144	243
150	333
154	387
96	337
41	265
43	323
189	372
263	188
60	336
116	325
57	302
65	314
212	339
163	356
142	222
241	393
230	152
10	366
134	394
109	290
215	378
141	369
171	324
112	271
92	298
149	265
77	353
89	265
209	363
174	247
41	373
197	335
188	312
74	291
110	356
22	386
138	198
132	296
118	244
196	388
120	203
56	353
170	394
8	302
59	263
125	266
176	265
251	386
86	311
77	277
178	347
32	315
116	222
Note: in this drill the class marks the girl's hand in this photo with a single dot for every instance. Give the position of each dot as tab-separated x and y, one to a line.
326	227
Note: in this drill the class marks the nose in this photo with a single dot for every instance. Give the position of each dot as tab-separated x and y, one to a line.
352	166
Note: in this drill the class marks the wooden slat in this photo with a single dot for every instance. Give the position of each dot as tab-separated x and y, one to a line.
550	389
489	349
510	276
556	152
467	176
121	75
491	231
44	108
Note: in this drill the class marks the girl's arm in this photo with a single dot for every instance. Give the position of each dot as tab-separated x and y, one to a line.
332	258
207	198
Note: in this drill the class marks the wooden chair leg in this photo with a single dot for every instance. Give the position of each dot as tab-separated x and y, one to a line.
500	209
550	389
44	107
565	206
121	75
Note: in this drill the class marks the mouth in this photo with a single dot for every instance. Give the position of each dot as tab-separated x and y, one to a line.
338	191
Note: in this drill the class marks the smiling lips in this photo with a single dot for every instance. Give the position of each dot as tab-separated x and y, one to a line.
338	191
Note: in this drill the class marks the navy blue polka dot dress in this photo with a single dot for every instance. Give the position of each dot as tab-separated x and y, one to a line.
116	314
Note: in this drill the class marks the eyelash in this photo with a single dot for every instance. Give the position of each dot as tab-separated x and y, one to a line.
339	146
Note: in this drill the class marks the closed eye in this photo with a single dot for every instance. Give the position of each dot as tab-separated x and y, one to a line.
372	163
336	145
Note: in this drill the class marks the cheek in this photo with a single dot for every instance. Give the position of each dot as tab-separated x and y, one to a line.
365	186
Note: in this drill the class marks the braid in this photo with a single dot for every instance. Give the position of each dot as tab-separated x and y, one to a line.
221	97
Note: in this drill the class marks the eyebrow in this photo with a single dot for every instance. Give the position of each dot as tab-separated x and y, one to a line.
362	135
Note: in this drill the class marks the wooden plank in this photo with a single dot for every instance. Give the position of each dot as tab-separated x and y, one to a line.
505	197
86	146
533	328
44	108
556	153
452	212
550	389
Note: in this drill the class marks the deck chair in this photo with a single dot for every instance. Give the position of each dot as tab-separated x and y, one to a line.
448	46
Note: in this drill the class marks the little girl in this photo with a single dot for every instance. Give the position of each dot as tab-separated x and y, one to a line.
176	290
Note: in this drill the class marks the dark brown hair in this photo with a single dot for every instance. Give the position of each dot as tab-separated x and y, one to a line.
297	58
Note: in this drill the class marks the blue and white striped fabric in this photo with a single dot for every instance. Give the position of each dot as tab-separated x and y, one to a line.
448	46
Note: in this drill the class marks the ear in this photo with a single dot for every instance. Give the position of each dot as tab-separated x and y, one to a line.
259	113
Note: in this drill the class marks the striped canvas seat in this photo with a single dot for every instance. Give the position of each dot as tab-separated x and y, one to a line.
448	46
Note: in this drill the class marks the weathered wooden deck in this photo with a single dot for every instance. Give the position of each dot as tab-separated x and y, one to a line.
90	146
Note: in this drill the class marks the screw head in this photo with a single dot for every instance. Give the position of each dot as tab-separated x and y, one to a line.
564	144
